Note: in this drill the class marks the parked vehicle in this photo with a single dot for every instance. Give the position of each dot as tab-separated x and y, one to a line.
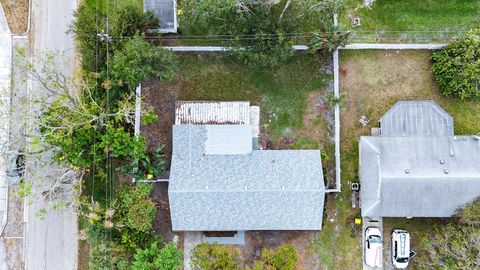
15	167
373	247
400	248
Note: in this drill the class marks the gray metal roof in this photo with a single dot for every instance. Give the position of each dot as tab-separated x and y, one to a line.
418	176
261	190
166	11
416	117
212	112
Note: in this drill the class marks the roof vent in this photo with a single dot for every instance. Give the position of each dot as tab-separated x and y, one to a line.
445	171
407	171
246	187
442	161
206	187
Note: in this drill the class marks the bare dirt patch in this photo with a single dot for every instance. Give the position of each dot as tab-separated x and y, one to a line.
161	97
16	12
256	240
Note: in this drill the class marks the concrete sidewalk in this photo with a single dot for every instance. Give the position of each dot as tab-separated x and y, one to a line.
5	83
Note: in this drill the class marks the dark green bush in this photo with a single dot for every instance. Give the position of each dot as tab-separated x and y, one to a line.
128	21
457	67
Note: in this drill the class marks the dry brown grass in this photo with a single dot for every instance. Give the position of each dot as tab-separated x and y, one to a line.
16	12
374	80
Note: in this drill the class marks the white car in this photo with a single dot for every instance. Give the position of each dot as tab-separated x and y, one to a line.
373	247
400	248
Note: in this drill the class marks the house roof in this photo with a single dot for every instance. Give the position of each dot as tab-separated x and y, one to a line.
166	12
416	117
212	112
418	176
242	190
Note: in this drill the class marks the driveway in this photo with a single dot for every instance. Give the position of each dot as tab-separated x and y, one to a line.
371	222
51	240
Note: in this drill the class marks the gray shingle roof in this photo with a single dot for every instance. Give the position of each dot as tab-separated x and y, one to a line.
261	190
416	117
418	176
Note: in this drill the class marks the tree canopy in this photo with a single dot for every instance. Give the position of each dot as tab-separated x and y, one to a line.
261	34
457	67
451	247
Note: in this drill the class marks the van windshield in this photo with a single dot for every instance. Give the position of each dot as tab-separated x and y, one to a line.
402	260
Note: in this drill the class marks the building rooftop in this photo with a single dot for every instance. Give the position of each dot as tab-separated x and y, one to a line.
166	11
234	188
416	117
212	112
418	176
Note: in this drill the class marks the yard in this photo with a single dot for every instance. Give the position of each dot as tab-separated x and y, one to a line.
410	20
294	115
372	81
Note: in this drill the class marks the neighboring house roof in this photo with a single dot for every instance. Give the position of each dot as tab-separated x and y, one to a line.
239	188
211	112
416	117
418	176
166	11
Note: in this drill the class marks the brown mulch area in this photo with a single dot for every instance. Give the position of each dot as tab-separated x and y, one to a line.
256	240
161	97
16	12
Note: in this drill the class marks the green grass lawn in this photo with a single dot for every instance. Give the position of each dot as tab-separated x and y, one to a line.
281	93
372	81
412	17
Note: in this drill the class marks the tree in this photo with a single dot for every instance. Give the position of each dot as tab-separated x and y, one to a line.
152	258
214	256
324	42
137	61
457	67
129	20
470	213
452	247
262	34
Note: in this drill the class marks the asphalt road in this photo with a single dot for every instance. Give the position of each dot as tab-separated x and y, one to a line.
51	241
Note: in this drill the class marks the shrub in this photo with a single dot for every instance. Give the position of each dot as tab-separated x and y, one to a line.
153	258
214	256
136	210
283	258
457	67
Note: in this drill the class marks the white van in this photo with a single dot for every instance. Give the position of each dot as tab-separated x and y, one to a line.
400	248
